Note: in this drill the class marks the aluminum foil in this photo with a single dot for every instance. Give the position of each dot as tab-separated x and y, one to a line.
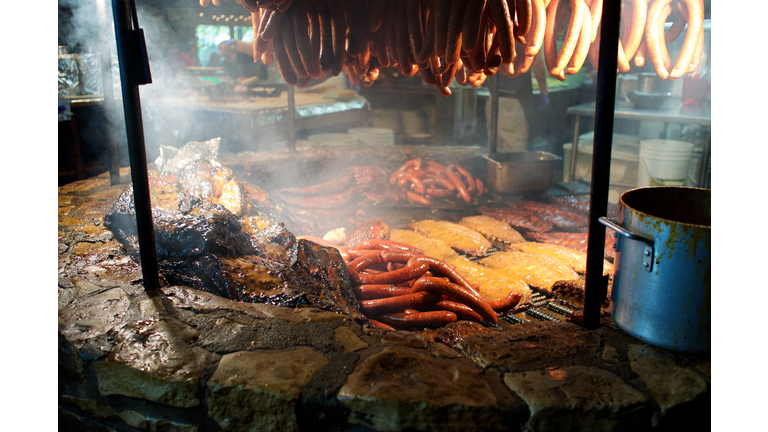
90	73
69	75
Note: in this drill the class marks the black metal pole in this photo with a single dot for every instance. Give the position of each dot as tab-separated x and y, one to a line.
130	59
493	134
594	290
291	119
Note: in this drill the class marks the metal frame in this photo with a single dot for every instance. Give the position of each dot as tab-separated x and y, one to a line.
595	289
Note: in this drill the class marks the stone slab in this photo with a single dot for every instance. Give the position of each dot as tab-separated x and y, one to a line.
669	384
529	343
258	390
402	389
578	398
154	360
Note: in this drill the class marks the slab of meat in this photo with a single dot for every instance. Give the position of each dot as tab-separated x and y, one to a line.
580	203
459	237
577	241
318	278
518	218
538	271
493	229
431	247
558	216
577	260
493	285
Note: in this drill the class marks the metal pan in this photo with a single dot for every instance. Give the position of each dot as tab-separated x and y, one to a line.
521	172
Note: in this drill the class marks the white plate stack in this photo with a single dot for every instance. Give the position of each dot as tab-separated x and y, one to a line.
374	136
332	139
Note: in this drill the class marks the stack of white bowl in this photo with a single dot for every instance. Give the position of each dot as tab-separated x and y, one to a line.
374	136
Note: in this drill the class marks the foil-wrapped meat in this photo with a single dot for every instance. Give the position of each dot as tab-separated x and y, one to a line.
210	235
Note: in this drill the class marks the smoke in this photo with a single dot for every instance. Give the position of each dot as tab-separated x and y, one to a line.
169	118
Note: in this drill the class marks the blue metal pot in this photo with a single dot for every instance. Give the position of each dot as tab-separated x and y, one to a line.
663	269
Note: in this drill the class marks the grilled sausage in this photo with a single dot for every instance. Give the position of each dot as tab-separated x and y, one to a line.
678	25
428	44
437	266
582	48
459	170
376	13
379	324
442	11
523	12
504	28
415	30
399	303
636	28
418	199
692	36
654	37
283	61
468	297
471	24
641	54
433	319
462	191
394	277
289	40
535	36
505	304
371	292
461	310
455	24
596	14
326	35
301	29
571	37
364	261
338	34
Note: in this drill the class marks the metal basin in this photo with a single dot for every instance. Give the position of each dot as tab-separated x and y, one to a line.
521	172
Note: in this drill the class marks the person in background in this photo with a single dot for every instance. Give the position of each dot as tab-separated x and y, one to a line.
238	59
517	104
214	60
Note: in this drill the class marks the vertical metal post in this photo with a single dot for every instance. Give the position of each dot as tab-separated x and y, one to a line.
595	288
574	148
493	133
127	54
291	119
107	91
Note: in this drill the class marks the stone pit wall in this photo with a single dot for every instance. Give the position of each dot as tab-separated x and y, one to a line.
190	361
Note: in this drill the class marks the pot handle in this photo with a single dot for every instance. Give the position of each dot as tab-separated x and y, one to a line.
647	253
498	164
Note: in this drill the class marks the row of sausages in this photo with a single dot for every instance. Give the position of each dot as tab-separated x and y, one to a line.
643	36
397	286
468	40
420	182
